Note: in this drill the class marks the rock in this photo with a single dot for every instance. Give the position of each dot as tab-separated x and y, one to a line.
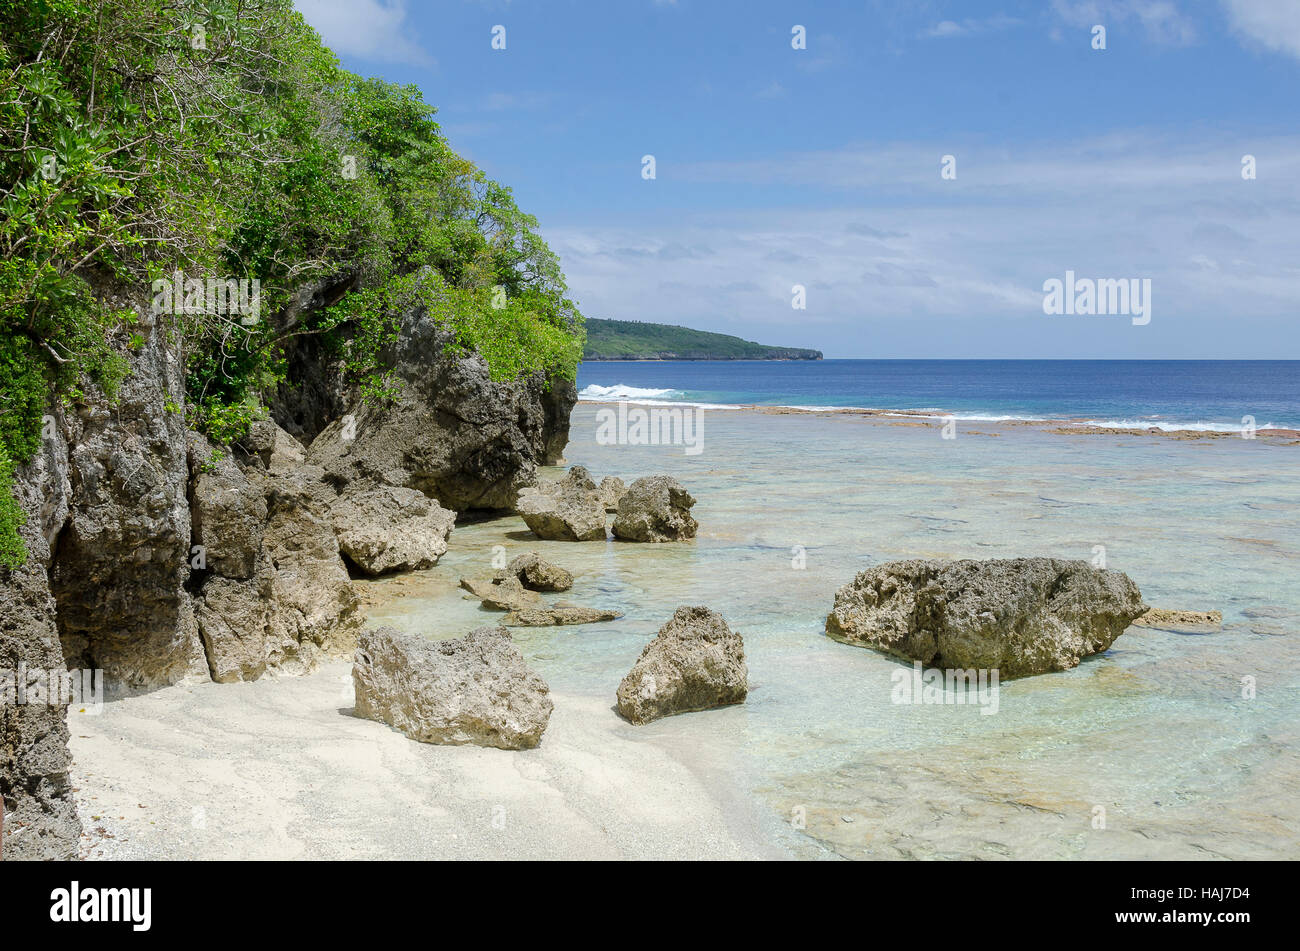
228	511
232	618
567	510
122	563
477	689
557	615
612	489
1019	616
696	662
503	593
382	528
655	509
452	432
1175	619
537	574
40	821
314	609
271	448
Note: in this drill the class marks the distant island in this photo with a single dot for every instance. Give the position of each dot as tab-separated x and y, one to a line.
634	340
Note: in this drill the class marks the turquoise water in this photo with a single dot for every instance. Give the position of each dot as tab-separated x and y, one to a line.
1155	732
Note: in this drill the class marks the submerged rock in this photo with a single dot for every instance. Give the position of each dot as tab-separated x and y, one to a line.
538	574
558	615
1019	616
476	689
695	662
382	528
1176	619
655	509
567	510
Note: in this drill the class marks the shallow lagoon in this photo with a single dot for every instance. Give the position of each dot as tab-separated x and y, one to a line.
1155	732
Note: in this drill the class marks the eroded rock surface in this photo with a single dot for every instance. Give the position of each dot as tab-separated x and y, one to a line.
122	562
538	574
476	689
695	662
452	433
502	593
567	510
655	509
40	820
383	528
1018	615
612	489
558	615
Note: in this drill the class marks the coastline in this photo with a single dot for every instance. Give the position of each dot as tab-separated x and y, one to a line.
280	767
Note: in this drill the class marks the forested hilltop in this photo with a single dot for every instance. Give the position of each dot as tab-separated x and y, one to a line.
634	340
221	140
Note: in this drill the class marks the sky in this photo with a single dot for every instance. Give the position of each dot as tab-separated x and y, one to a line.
823	167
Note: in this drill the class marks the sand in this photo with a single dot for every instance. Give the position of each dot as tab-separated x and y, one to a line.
281	769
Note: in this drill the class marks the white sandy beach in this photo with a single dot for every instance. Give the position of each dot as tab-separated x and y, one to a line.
280	769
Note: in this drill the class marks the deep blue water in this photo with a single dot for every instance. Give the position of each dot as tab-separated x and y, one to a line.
1215	394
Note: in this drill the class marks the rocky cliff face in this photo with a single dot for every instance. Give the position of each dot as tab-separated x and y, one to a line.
122	562
40	819
159	560
453	433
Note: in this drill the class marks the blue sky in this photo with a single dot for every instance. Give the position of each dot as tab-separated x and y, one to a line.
821	166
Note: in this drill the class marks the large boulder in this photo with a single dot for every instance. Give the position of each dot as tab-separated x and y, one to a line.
655	509
383	528
1018	615
537	574
695	662
569	509
40	820
452	432
477	689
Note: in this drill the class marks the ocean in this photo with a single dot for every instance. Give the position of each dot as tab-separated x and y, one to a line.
1165	394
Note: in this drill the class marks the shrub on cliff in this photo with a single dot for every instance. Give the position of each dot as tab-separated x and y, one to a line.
220	137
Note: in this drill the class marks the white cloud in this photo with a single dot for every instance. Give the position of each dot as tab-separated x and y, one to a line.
370	29
945	29
1275	24
905	256
1160	19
